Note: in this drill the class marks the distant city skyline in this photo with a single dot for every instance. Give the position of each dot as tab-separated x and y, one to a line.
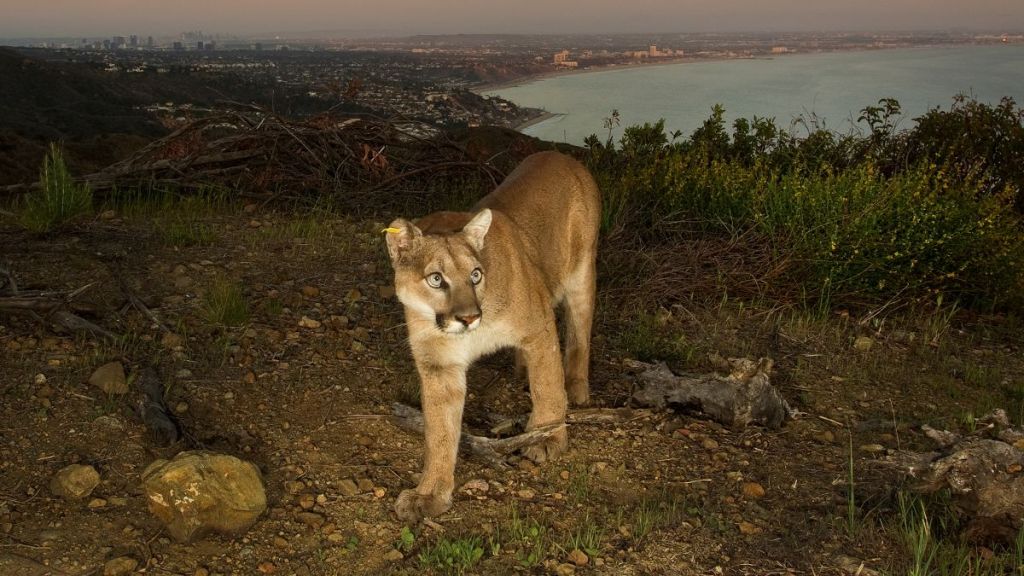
74	18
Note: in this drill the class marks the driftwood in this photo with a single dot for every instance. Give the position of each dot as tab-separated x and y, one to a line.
743	397
983	471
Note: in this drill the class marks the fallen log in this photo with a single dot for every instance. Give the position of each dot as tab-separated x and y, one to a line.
982	471
743	397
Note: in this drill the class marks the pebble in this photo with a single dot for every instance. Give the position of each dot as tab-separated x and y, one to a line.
267	568
310	291
39	379
311	519
181	407
476	485
348	487
578	557
307	322
826	437
565	570
753	490
863	344
120	566
97	503
280	542
307	501
526	494
872	448
75	481
364	484
710	444
748	528
393	556
110	378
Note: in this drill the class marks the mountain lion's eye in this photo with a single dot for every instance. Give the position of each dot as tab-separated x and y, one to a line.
476	276
435	280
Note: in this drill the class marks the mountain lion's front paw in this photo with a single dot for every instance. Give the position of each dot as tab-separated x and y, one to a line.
411	506
549	449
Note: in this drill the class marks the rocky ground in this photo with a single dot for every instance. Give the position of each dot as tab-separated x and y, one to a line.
286	349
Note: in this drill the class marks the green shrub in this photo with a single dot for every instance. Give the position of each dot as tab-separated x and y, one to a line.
852	219
225	304
58	200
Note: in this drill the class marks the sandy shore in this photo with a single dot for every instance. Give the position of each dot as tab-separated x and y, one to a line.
542	118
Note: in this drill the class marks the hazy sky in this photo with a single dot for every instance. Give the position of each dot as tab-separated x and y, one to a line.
21	18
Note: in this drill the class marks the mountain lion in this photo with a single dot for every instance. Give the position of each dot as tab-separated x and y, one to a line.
474	282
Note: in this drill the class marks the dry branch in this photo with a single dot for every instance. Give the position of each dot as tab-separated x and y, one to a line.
743	397
983	472
493	450
51	307
254	152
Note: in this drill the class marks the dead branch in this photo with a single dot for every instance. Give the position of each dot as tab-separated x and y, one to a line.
983	472
492	450
743	397
49	307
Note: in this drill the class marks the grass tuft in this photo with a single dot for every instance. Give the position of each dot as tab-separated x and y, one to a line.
59	199
225	304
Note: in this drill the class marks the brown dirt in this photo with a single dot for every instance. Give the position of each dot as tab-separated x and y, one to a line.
309	407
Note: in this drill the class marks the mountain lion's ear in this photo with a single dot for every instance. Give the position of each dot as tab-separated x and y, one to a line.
401	236
477	228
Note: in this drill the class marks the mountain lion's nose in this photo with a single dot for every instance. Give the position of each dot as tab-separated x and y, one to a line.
467	319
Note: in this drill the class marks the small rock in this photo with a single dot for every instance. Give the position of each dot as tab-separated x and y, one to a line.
74	482
96	503
199	492
183	374
182	283
307	322
110	378
181	407
526	494
353	295
310	291
863	343
267	568
307	501
120	566
476	485
710	444
578	557
108	215
348	487
280	543
364	484
311	519
826	437
872	448
748	528
170	341
753	490
321	499
39	379
393	556
565	570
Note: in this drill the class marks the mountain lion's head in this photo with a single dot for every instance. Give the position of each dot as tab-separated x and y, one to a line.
439	276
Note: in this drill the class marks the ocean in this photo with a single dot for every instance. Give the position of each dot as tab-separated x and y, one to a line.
832	86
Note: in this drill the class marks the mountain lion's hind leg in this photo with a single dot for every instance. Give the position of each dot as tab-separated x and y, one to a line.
579	317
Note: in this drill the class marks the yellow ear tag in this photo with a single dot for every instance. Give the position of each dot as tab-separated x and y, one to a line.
391	230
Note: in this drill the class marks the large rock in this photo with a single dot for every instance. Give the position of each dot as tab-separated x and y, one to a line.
74	482
201	492
110	378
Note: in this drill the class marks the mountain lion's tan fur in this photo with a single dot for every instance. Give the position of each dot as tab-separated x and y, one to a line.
474	282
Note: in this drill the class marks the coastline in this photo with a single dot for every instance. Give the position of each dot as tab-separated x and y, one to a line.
556	73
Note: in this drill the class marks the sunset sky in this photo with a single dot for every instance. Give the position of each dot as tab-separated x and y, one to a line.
108	17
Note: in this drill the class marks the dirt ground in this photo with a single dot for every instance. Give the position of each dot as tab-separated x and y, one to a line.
664	493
